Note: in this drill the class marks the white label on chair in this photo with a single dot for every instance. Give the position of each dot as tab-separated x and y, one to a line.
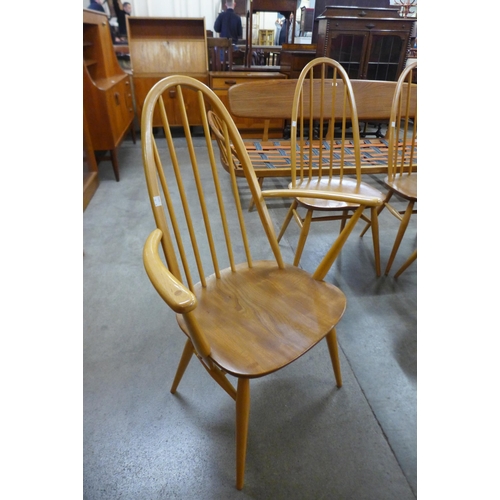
157	201
393	124
294	124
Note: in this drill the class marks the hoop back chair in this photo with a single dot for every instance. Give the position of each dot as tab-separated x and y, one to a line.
323	110
244	311
401	177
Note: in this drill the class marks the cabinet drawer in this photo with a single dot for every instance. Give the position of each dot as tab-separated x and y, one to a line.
368	24
221	80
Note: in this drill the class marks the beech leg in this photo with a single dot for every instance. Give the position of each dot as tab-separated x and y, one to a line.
328	260
331	340
375	236
242	417
187	353
343	220
410	260
288	218
379	209
399	237
306	224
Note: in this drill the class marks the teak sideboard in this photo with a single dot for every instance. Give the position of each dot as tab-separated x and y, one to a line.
107	94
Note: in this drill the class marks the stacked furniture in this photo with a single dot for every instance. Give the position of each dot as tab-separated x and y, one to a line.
160	47
107	94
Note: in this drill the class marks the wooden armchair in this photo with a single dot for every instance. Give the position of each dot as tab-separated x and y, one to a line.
323	110
245	312
401	177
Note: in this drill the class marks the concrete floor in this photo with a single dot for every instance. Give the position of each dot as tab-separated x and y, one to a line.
307	439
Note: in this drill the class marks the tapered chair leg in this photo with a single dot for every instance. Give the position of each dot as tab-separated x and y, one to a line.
333	348
288	218
306	224
242	417
328	260
399	237
375	237
343	220
379	210
409	261
187	353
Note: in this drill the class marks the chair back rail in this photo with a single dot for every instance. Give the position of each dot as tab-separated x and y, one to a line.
402	132
320	104
165	172
273	99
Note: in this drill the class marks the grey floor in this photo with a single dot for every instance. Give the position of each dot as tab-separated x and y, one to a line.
307	439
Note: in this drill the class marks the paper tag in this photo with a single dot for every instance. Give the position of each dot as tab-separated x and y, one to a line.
157	201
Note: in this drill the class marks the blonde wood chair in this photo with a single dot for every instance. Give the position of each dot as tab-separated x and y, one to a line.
216	126
323	116
245	312
401	177
412	258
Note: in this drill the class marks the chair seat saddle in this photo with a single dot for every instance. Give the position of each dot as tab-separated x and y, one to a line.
346	185
405	185
268	325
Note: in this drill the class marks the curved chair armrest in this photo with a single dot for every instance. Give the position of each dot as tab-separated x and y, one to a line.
171	290
367	201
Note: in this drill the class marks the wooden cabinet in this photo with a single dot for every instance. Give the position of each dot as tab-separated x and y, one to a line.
221	81
321	5
160	47
90	175
107	94
370	43
294	56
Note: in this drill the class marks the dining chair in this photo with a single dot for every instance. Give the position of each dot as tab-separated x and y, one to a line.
401	179
246	313
220	53
412	258
216	126
325	137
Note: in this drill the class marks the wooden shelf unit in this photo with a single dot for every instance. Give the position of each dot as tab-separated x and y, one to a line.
162	46
107	93
370	43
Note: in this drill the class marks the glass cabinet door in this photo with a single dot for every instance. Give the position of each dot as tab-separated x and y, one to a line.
348	49
384	56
